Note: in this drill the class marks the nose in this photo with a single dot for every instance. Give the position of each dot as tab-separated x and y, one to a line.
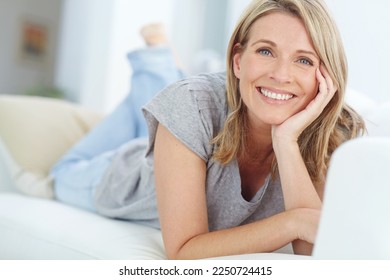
281	71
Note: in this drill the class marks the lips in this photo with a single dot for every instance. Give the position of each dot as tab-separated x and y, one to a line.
275	96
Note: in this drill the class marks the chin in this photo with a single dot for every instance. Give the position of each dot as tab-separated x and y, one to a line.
276	120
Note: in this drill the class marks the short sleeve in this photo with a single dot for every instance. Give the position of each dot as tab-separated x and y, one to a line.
190	110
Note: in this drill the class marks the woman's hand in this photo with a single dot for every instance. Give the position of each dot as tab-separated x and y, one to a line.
291	128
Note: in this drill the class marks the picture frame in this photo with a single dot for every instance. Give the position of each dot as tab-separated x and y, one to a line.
34	42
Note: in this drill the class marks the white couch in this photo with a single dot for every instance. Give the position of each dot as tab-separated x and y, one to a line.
34	133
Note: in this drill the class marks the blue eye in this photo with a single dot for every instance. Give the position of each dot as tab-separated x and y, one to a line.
265	52
305	61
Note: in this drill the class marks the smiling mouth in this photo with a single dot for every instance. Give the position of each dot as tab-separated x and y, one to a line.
274	95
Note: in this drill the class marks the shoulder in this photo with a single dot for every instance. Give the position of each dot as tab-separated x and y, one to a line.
208	95
193	110
206	81
191	96
210	86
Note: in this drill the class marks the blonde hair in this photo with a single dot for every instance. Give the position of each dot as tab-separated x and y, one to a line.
336	124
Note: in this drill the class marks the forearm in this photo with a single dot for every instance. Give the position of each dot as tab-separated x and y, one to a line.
266	235
298	188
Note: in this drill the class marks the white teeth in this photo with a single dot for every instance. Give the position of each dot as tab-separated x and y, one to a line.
274	95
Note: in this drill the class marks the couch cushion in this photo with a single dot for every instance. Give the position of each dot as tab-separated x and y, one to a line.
34	228
36	131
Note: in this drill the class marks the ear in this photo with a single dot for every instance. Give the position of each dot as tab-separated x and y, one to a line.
237	60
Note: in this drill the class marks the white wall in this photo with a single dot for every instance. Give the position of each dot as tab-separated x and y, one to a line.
84	47
17	75
364	27
235	8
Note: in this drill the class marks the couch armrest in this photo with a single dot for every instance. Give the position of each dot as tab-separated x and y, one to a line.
36	132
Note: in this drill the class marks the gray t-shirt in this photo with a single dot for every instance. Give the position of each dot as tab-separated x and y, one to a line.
193	110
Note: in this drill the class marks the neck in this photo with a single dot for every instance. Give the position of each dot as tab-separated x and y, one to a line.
258	138
258	146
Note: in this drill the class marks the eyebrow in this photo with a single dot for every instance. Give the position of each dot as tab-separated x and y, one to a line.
274	45
308	52
264	41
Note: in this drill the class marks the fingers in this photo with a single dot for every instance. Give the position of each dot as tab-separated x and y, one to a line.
326	88
326	84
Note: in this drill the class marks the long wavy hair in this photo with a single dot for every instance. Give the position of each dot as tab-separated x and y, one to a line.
336	124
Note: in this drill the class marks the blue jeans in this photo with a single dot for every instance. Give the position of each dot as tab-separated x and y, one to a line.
78	173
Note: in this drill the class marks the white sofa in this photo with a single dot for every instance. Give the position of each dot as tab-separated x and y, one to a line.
34	133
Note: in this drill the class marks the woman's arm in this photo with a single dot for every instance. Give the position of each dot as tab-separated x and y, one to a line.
181	196
298	188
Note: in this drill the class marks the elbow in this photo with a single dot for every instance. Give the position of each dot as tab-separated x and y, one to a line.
178	255
184	252
173	253
173	256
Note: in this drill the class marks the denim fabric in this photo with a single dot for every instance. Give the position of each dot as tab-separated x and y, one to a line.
81	169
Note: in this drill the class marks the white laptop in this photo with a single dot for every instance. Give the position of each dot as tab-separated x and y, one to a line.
355	222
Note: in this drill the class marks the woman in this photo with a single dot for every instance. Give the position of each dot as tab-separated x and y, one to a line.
286	80
237	161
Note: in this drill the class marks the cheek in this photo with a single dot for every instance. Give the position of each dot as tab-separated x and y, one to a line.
246	68
311	87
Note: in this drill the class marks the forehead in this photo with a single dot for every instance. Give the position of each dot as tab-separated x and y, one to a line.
281	28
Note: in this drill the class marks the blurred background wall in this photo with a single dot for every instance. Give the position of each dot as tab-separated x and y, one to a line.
85	43
19	73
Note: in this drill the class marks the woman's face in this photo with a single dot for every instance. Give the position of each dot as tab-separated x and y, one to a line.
276	69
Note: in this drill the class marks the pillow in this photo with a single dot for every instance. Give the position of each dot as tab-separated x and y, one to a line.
378	122
36	132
